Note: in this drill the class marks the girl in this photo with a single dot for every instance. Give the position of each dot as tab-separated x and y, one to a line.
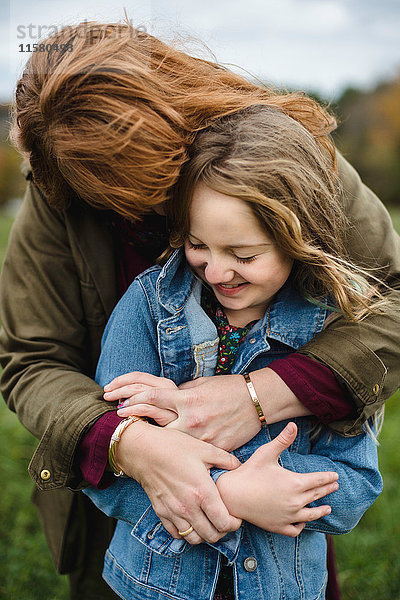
262	270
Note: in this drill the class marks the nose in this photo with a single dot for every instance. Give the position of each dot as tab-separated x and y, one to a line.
218	271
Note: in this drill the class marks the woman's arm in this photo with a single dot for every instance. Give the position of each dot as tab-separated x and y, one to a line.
364	356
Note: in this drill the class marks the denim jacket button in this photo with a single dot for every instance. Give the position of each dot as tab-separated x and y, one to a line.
250	564
252	340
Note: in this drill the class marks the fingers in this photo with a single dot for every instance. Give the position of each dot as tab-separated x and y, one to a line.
210	519
138	377
219	515
222	459
125	391
312	514
293	529
203	529
204	523
170	527
193	538
310	481
161	397
160	415
320	492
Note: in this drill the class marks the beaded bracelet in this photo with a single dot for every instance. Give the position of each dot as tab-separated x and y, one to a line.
254	397
115	438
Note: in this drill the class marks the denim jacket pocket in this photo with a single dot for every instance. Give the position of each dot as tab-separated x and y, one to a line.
150	531
205	357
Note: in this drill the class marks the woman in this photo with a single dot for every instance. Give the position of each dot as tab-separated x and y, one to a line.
106	126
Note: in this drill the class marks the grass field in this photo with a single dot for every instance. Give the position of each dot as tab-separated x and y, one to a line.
368	560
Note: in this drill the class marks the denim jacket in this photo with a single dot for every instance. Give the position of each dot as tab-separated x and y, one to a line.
159	327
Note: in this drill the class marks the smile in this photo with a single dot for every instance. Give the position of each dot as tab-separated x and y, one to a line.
229	289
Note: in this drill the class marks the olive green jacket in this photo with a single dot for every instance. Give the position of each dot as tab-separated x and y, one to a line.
58	288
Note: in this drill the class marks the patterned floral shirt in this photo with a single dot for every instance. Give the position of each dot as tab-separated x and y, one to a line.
230	336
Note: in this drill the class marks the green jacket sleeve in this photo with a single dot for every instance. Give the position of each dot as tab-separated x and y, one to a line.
50	339
365	356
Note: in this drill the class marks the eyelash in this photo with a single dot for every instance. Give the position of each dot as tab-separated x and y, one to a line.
245	260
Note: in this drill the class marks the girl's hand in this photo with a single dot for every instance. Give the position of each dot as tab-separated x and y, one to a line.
173	469
276	499
125	387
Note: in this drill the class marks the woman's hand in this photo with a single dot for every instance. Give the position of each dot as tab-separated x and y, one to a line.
217	410
126	387
276	499
173	469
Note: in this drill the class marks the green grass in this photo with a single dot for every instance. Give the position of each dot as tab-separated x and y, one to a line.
26	566
368	562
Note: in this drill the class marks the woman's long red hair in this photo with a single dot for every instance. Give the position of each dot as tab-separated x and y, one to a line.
111	120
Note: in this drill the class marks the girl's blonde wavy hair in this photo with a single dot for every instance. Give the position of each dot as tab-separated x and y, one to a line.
111	120
272	162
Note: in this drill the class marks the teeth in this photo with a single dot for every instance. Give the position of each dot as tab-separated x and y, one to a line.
225	285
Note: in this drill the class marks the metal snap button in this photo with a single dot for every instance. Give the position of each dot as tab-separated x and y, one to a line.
45	474
252	341
376	388
250	564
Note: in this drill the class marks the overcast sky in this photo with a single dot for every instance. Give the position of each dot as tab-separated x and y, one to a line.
323	45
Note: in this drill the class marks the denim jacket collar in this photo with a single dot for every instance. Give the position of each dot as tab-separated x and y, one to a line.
175	283
290	319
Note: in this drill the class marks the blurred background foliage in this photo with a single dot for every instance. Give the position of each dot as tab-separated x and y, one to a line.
369	136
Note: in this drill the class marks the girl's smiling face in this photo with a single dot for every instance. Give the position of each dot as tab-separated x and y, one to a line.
229	249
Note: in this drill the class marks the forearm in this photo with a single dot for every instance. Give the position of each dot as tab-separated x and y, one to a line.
232	496
365	358
297	386
220	410
57	406
277	400
52	399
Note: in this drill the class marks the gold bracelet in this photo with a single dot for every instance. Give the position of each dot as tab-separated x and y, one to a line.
115	438
254	397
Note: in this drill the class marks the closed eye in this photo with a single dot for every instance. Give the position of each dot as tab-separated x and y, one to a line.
195	246
246	259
